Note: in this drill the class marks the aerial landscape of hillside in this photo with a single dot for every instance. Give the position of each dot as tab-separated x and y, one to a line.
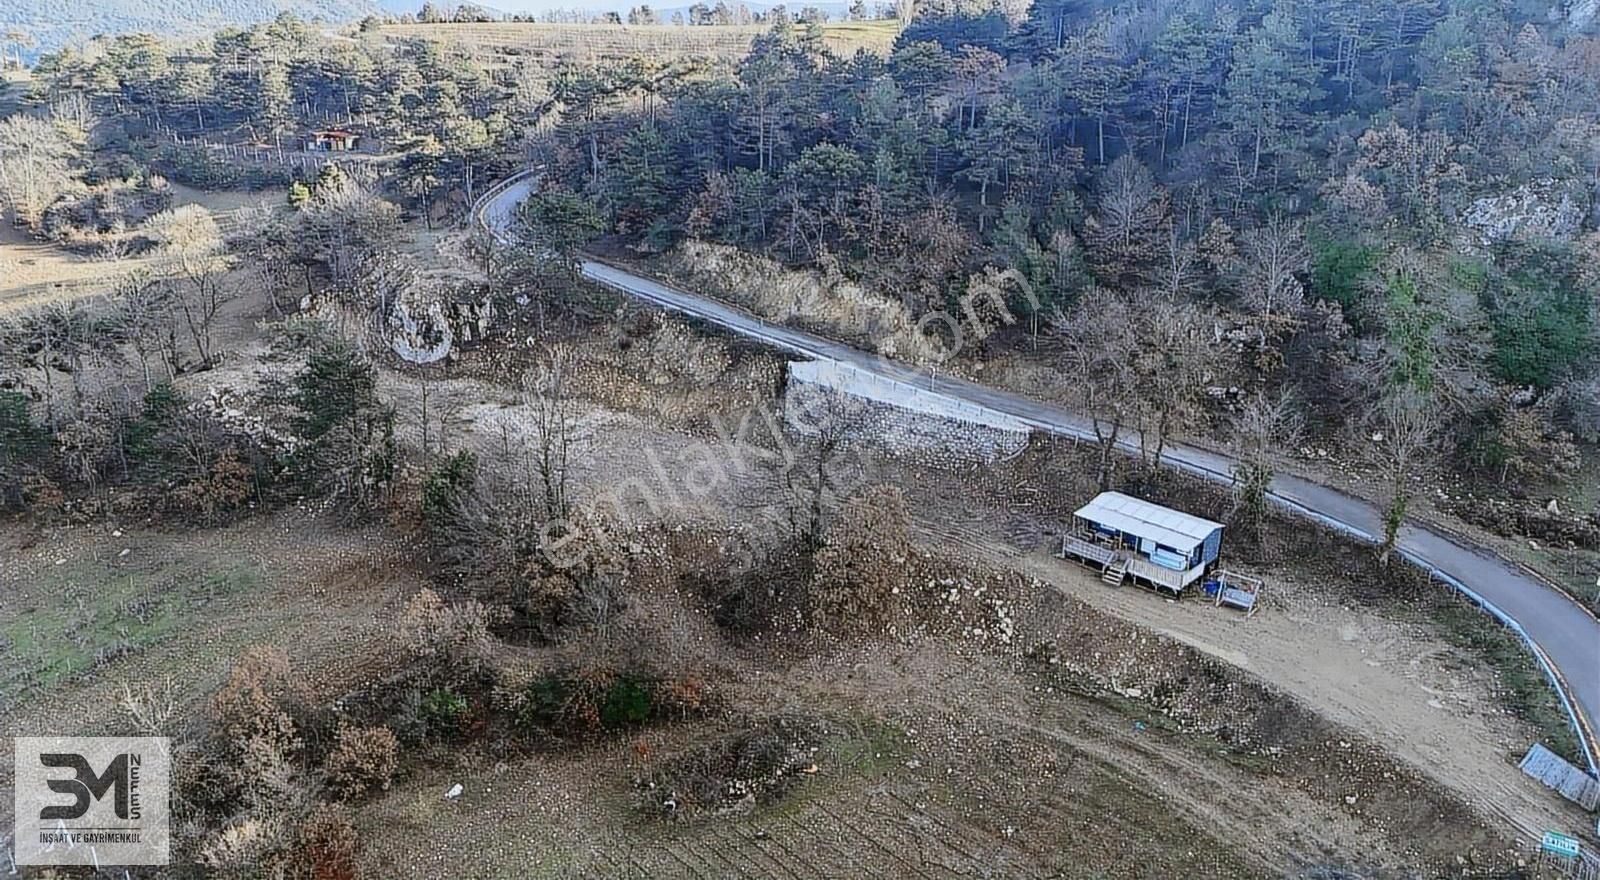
967	438
53	24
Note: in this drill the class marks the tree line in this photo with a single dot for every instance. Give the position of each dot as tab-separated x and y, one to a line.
1379	210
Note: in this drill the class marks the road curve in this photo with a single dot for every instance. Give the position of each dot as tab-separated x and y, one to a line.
1563	636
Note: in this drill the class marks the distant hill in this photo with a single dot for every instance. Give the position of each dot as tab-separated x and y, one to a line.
56	23
836	9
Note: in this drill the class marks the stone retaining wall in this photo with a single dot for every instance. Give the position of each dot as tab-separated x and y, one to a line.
939	431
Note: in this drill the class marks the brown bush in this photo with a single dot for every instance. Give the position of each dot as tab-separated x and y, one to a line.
226	484
250	702
258	734
862	560
455	638
42	493
328	845
246	850
363	759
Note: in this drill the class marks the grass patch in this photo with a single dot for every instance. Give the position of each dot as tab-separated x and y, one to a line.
1526	690
1574	571
84	615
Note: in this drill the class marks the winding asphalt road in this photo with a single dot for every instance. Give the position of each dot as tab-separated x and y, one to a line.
1562	635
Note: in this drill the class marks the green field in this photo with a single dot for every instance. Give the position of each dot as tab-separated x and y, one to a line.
79	615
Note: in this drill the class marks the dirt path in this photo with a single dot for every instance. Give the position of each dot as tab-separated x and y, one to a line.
1422	699
1565	632
1425	701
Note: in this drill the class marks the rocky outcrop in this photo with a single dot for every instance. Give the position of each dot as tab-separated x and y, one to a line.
425	330
1542	210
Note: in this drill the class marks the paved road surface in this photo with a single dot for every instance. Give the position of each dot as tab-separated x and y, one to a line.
1564	636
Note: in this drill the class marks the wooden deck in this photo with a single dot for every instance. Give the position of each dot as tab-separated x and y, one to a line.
1088	551
1161	576
1116	564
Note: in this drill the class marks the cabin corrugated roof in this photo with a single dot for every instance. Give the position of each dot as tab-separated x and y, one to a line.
1135	516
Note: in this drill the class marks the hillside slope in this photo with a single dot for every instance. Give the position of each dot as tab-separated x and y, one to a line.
56	23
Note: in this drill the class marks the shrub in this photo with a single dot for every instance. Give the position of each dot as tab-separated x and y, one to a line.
1542	317
226	485
1341	271
200	168
447	486
454	638
246	850
363	759
597	700
444	711
258	735
629	703
328	844
251	701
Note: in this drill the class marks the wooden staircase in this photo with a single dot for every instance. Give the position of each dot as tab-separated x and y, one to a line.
1115	571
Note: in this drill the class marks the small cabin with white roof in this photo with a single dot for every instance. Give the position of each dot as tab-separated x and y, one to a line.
1129	537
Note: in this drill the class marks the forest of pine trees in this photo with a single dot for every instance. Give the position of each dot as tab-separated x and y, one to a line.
1386	204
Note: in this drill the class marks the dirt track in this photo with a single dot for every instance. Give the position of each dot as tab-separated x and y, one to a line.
1391	680
1561	629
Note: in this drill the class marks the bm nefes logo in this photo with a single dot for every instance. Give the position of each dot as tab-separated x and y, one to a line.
85	787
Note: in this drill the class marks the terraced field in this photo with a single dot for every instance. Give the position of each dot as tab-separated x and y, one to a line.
550	45
881	806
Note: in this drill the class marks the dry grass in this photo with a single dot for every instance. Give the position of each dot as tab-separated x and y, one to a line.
34	273
837	306
553	44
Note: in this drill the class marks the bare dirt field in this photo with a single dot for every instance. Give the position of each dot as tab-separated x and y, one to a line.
1390	677
34	273
89	610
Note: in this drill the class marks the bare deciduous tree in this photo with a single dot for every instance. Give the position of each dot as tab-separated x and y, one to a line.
824	468
1172	360
35	165
192	245
1128	229
545	391
142	309
262	242
1272	258
1262	431
1179	273
57	339
345	224
1097	337
1403	446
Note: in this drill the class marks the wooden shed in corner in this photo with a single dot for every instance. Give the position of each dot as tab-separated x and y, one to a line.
1130	537
332	140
